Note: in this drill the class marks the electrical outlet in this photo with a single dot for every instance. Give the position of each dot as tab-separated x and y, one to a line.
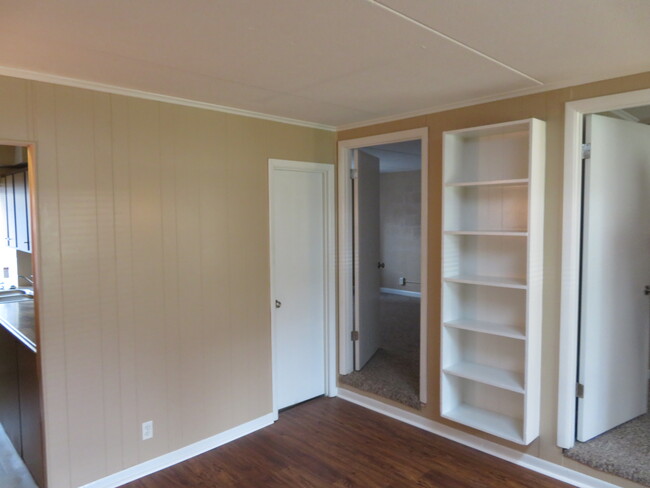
402	281
147	430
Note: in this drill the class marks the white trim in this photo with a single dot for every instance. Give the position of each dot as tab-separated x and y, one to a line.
346	304
569	299
158	97
327	170
527	461
481	100
180	455
625	115
405	293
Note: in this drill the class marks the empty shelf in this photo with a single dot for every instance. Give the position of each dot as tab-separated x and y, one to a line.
494	328
506	182
517	283
497	233
493	423
488	375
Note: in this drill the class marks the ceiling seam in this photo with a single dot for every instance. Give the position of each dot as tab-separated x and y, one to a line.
452	40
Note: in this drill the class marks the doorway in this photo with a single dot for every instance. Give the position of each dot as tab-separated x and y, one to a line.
301	206
382	274
21	456
611	306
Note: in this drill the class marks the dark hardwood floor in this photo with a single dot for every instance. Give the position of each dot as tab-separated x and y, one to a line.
329	442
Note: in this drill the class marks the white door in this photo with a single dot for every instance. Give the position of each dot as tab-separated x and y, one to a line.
299	233
366	250
615	269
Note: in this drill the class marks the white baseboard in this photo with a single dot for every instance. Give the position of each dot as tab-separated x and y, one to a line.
182	454
396	291
524	460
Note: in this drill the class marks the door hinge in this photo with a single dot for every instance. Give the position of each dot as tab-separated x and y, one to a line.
586	151
354	335
354	173
580	390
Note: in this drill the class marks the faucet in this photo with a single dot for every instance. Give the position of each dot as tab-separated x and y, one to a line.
30	279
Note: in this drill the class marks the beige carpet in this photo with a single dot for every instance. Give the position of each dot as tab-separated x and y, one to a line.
394	371
623	451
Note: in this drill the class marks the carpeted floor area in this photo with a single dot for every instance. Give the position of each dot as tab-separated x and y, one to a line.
394	371
623	451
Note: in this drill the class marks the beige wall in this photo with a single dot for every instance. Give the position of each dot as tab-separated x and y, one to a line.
399	198
548	106
153	269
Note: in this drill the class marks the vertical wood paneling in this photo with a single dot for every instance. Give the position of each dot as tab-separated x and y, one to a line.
108	282
147	272
210	142
248	248
125	304
172	320
14	109
193	346
52	347
79	280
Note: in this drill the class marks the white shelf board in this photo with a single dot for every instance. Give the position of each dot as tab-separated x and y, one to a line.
484	327
493	423
512	182
500	378
488	281
497	233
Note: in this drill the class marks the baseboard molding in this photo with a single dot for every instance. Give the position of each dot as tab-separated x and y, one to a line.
175	457
406	293
524	460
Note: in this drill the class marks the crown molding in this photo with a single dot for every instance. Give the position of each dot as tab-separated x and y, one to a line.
131	92
487	99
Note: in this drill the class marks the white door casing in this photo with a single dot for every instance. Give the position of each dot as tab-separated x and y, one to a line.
615	269
345	247
366	257
301	201
571	236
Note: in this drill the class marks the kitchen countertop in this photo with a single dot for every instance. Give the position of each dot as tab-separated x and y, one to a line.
18	319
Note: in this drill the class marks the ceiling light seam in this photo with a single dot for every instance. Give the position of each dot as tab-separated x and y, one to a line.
452	40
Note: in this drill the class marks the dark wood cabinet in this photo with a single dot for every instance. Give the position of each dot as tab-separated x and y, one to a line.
9	391
20	402
30	413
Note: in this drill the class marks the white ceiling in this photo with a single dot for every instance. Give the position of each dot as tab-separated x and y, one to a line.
331	62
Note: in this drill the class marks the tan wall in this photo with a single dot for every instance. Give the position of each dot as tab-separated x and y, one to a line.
153	269
399	197
548	106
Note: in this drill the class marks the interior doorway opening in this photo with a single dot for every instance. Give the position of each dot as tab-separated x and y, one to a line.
382	288
612	365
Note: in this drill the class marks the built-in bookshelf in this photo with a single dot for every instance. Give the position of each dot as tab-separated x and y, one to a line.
492	278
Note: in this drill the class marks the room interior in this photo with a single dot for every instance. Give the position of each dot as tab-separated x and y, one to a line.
149	130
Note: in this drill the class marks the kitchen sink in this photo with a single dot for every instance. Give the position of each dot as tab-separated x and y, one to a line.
16	295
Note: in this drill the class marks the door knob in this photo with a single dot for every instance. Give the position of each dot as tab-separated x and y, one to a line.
278	304
647	290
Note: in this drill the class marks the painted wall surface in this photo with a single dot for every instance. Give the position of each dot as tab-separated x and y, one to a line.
153	266
548	106
399	213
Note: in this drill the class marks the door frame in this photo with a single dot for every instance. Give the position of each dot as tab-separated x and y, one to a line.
571	248
346	249
329	260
